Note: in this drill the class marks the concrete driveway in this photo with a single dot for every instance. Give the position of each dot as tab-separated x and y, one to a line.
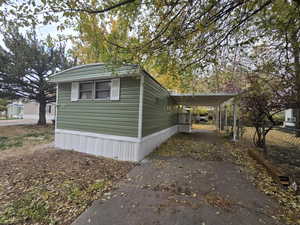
183	191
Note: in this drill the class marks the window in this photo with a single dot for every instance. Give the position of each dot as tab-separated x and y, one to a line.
49	109
86	90
102	89
98	90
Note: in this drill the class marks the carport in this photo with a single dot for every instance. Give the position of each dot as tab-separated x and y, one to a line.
216	100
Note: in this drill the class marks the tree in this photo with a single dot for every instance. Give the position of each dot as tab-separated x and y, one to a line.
259	105
25	66
190	34
3	105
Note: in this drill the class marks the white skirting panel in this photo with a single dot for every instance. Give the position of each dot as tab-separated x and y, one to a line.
111	146
152	141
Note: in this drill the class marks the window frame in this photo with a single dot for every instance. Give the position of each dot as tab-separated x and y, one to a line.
94	90
86	82
102	81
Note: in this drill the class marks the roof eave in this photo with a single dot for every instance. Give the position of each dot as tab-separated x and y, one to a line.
92	78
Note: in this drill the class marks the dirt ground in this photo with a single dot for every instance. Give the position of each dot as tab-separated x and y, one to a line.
24	139
204	126
53	186
18	130
42	185
196	178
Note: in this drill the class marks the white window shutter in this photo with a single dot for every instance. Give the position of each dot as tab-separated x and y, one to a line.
75	91
115	89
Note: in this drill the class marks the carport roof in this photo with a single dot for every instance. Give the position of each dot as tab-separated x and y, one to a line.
202	99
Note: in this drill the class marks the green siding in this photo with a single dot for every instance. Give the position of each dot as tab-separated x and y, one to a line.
156	116
101	116
94	71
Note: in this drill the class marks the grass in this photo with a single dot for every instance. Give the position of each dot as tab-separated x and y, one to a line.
18	136
29	206
274	137
40	205
3	118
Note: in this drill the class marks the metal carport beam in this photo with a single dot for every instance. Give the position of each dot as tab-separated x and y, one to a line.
202	99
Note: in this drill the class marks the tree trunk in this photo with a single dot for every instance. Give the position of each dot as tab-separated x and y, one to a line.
42	113
296	55
264	145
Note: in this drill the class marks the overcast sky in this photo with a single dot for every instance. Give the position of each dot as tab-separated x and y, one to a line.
44	30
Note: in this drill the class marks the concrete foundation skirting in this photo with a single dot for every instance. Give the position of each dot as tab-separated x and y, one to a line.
149	143
111	146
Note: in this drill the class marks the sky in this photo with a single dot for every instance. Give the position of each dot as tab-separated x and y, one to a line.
44	30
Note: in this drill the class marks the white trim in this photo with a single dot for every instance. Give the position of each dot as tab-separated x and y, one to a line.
96	77
75	86
140	123
88	65
157	133
220	94
220	117
234	122
106	136
56	106
112	146
115	86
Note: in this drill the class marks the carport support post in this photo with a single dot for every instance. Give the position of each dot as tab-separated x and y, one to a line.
216	117
234	121
225	122
220	118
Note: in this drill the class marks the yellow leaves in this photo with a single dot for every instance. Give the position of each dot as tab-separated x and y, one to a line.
183	145
289	205
218	201
52	186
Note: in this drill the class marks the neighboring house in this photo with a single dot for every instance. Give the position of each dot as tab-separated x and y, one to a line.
31	110
15	110
119	112
289	118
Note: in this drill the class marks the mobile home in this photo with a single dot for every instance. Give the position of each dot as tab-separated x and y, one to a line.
119	111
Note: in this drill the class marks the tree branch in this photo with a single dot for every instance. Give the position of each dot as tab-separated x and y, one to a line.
91	11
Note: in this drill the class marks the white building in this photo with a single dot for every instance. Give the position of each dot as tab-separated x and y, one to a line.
289	118
29	110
